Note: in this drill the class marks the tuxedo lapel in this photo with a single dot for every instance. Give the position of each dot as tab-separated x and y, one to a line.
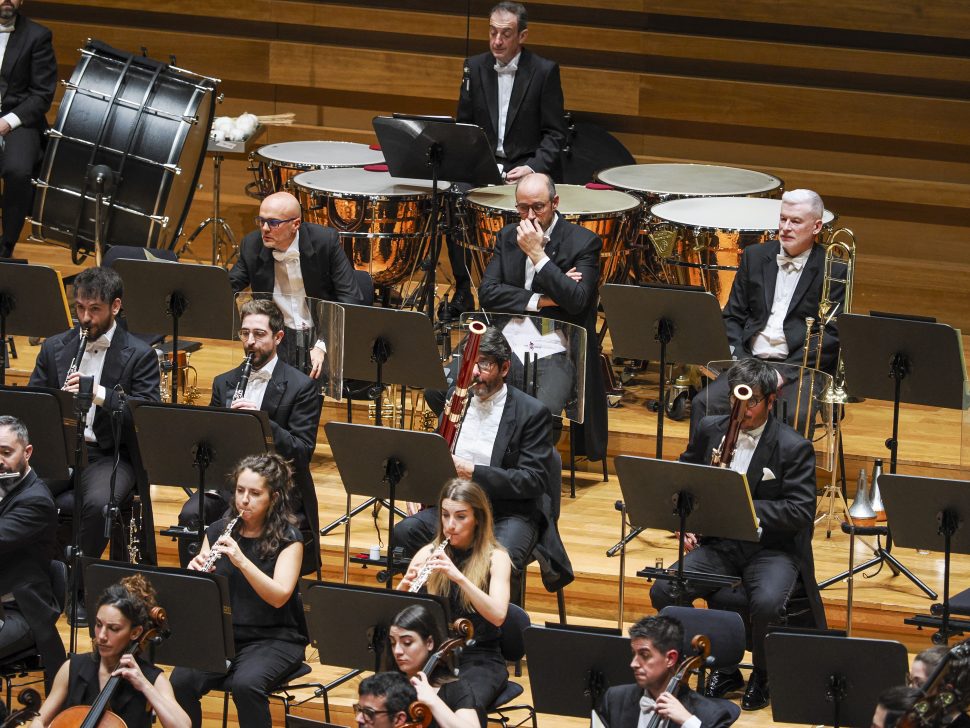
813	268
490	86
115	358
275	388
264	277
505	429
523	78
64	354
14	46
769	272
762	454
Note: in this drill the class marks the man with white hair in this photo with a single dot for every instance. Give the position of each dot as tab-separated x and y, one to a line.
778	286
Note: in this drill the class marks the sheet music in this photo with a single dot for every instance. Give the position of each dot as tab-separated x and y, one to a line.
523	336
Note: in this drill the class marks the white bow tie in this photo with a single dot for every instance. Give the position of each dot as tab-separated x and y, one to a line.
285	256
507	69
789	264
99	344
647	705
260	375
7	28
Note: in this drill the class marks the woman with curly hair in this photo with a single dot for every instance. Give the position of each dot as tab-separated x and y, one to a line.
123	616
261	557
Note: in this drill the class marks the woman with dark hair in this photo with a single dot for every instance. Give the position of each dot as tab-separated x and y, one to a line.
474	572
415	635
259	549
124	614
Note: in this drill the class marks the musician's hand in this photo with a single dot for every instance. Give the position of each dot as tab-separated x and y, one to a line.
464	468
530	239
227	546
5	129
442	562
243	404
411	507
669	707
691	540
409	576
576	275
129	670
196	563
426	693
546	301
71	384
316	358
517	173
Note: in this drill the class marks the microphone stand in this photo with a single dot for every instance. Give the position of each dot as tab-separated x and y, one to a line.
82	403
111	510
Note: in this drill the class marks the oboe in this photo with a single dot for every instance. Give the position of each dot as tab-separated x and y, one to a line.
214	555
76	361
247	369
425	572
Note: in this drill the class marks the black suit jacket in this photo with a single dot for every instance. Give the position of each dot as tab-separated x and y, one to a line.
753	292
785	504
28	523
327	272
620	708
502	289
535	128
28	76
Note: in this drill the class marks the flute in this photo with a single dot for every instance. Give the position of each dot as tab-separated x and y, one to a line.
425	572
214	555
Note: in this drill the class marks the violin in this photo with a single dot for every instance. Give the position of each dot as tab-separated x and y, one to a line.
466	638
946	692
98	715
30	699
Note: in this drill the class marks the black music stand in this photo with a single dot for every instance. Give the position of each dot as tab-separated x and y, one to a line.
702	498
929	513
670	310
380	462
32	303
837	680
433	147
49	416
191	300
349	625
177	439
196	604
901	359
569	670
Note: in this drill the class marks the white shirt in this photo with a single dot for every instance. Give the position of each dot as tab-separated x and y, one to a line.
10	118
531	269
92	364
258	380
480	427
747	444
505	83
289	291
770	342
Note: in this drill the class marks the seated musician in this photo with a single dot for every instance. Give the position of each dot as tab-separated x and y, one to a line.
292	258
924	664
474	572
116	360
893	703
290	399
124	614
504	445
656	643
259	549
780	468
415	635
777	287
383	700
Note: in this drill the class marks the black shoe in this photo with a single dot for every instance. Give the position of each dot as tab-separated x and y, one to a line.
756	694
723	682
78	618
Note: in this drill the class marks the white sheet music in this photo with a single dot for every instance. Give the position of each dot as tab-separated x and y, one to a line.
523	336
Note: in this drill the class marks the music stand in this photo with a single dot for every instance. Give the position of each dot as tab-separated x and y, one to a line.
207	440
196	604
32	303
191	300
838	679
717	502
399	464
569	670
49	416
929	513
349	625
901	359
424	147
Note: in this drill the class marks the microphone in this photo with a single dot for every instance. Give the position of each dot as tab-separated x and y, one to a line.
85	395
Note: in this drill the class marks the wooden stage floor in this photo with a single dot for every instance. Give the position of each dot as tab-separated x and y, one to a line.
933	442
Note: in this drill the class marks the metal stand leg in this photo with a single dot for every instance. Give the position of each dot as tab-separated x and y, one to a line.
223	253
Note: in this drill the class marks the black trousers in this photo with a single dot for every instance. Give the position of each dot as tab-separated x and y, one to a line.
15	634
258	666
768	577
21	152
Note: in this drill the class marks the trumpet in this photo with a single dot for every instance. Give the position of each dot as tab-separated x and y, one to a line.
214	555
425	572
247	369
76	361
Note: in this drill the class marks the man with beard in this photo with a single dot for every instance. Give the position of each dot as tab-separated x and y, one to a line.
28	518
291	400
28	77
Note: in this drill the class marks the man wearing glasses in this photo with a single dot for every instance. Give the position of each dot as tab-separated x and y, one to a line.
293	260
780	468
290	399
383	700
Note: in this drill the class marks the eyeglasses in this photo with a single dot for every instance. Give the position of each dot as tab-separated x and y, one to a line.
368	713
257	334
272	221
538	208
486	365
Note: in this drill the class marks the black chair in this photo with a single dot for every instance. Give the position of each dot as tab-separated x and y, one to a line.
726	631
280	691
513	649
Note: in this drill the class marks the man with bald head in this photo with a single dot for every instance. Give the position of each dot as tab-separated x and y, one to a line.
289	257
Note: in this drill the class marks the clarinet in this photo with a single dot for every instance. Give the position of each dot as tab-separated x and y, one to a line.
425	572
213	556
247	369
76	361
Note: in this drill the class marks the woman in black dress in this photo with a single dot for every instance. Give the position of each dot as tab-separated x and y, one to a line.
474	572
261	556
122	618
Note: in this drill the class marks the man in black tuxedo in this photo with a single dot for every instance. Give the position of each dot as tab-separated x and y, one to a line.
28	77
516	97
780	467
292	402
121	366
28	521
546	266
291	258
505	446
657	644
778	285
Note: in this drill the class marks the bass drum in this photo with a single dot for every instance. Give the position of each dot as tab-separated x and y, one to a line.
145	120
700	240
274	165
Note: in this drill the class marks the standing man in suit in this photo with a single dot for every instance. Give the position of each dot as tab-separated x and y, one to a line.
294	260
292	402
28	77
516	97
777	287
780	467
121	366
546	266
657	644
28	522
